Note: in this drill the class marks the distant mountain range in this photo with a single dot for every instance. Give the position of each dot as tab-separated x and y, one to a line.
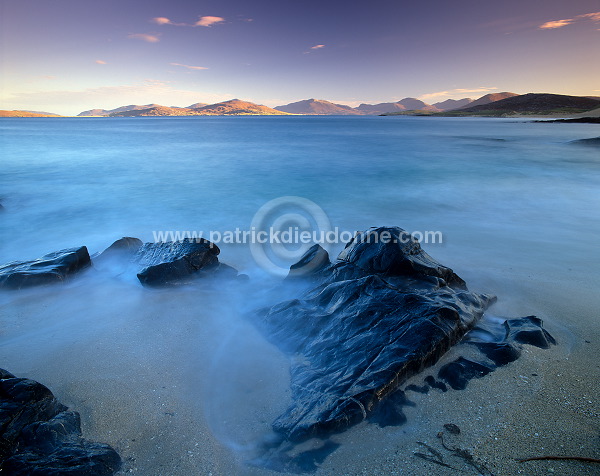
305	107
232	107
495	104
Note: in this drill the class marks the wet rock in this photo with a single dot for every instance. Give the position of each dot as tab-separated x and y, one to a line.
126	246
313	264
49	269
390	412
433	383
528	330
500	353
39	436
176	262
458	373
452	428
383	311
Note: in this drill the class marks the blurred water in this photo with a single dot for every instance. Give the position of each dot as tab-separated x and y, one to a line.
484	183
515	201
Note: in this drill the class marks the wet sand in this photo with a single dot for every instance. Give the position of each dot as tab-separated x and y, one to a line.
179	384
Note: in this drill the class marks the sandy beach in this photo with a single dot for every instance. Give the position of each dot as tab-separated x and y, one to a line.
181	384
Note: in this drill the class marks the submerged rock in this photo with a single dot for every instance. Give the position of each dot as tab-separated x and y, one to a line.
51	268
458	373
382	311
176	262
39	436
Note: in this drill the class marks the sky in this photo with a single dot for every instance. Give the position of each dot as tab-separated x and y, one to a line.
67	56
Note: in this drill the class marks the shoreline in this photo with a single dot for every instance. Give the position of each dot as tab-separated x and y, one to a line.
541	404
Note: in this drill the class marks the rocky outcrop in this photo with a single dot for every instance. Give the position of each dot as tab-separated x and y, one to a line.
40	437
381	312
51	268
176	262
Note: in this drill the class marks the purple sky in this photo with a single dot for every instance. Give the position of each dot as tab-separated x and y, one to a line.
66	56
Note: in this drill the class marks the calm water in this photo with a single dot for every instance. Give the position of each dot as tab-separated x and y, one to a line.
518	205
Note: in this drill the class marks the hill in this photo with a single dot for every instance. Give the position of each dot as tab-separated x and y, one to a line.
405	104
227	108
489	98
531	104
317	107
26	114
450	104
108	112
237	107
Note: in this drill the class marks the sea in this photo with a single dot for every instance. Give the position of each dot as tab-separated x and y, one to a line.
513	205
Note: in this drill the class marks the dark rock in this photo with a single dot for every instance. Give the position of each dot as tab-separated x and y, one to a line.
390	412
383	311
51	268
424	389
433	383
458	373
313	263
123	246
452	428
528	330
176	262
500	353
40	437
306	461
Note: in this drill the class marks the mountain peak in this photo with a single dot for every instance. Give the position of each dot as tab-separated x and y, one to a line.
319	107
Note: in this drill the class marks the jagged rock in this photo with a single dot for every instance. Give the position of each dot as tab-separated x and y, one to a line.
51	268
167	263
314	263
40	437
383	311
528	330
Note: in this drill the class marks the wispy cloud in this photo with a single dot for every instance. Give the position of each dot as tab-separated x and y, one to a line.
188	66
549	25
314	48
592	16
202	21
553	24
456	92
100	62
208	21
144	37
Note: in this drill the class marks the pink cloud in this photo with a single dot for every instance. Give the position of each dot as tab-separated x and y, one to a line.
317	47
162	21
592	16
188	66
549	25
208	21
556	24
144	37
100	62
